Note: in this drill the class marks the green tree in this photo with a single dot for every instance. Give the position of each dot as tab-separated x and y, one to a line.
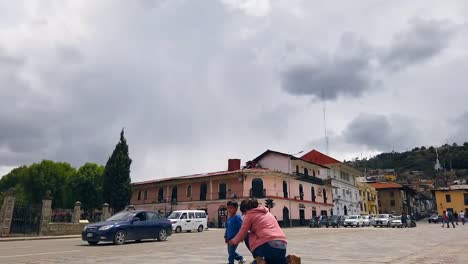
117	190
86	186
48	176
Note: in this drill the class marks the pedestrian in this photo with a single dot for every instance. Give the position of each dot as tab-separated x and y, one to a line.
233	225
404	220
267	241
450	218
462	217
456	217
444	218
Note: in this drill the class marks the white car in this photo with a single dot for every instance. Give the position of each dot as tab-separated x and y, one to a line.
366	220
396	222
383	220
353	220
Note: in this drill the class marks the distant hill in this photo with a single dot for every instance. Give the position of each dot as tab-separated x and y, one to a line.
451	157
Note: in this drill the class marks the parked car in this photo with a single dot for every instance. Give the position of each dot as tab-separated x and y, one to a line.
353	220
324	221
434	218
396	222
128	225
336	220
383	220
366	220
188	220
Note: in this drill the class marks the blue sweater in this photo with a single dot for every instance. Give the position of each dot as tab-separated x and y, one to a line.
233	226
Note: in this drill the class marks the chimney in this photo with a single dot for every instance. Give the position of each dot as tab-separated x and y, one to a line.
234	164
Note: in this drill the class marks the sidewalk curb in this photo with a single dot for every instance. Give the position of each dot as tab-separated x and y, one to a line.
7	239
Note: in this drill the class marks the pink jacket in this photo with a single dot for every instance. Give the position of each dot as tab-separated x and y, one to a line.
263	228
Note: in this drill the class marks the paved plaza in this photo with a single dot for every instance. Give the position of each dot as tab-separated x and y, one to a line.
427	243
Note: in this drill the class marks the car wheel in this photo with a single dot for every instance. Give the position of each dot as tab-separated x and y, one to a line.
93	243
178	229
120	237
200	228
162	235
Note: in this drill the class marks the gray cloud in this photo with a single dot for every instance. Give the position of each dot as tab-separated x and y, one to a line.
381	133
421	42
347	73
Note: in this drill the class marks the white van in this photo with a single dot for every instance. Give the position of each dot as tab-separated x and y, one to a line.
188	220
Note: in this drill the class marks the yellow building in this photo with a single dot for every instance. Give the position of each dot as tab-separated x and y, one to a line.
368	201
453	198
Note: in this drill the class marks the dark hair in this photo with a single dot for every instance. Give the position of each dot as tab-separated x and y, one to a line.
247	205
233	204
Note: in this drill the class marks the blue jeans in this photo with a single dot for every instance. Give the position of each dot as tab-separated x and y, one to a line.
233	255
272	255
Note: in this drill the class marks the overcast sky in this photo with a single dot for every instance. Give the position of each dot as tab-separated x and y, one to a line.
195	83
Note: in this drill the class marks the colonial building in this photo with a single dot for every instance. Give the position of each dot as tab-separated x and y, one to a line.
296	197
453	198
368	203
343	179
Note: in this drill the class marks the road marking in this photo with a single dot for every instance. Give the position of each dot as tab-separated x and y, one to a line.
38	254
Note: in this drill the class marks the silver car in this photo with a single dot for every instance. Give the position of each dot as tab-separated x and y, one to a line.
353	220
383	220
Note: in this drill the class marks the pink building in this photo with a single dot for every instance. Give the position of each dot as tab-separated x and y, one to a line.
296	196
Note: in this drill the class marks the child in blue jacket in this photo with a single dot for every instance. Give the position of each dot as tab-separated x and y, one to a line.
233	225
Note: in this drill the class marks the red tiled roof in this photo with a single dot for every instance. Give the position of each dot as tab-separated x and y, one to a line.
385	185
288	155
318	157
201	175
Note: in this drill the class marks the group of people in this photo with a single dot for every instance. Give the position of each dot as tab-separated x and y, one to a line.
449	217
260	232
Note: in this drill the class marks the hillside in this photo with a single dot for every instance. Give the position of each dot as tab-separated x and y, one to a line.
451	157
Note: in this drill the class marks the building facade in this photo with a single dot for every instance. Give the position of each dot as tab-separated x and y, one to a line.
368	202
296	198
343	180
453	198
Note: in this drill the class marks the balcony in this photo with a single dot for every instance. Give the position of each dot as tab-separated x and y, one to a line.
309	178
257	193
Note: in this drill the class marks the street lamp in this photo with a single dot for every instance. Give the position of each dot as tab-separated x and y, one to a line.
289	185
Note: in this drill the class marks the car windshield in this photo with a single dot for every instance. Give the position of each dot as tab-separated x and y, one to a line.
382	216
352	217
174	215
122	216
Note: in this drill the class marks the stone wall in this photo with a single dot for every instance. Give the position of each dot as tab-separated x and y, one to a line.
62	229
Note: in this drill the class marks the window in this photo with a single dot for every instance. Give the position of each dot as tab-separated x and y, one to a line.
203	191
324	196
344	194
161	194
448	198
301	192
313	173
174	194
222	190
466	198
392	202
285	189
297	169
200	215
153	216
139	195
141	216
380	204
365	207
189	191
312	190
392	194
145	195
191	215
360	205
306	172
257	188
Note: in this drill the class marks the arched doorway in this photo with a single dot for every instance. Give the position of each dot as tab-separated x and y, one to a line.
285	216
174	194
345	210
302	217
222	217
257	188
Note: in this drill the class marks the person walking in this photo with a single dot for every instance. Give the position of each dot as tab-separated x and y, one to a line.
462	217
444	218
455	215
267	241
233	225
450	218
404	220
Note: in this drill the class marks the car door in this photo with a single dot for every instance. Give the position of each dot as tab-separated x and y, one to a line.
136	230
184	221
154	225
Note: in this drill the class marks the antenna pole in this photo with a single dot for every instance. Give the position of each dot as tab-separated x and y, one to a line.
325	120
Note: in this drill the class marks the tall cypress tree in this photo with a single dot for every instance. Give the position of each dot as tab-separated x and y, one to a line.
117	190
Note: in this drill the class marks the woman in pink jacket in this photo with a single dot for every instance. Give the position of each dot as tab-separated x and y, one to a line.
266	239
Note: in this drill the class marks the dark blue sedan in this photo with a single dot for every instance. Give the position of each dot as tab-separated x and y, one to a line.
128	225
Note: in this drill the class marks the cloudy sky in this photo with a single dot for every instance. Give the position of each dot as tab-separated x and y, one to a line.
195	83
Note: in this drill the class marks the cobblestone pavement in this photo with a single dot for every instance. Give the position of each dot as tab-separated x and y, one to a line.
428	243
